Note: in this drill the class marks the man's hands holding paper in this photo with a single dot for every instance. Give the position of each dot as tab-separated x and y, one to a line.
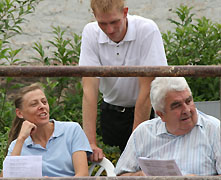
138	173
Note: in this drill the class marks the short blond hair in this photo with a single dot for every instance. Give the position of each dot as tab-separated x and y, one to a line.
107	5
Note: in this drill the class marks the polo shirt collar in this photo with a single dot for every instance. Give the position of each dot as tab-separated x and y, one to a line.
199	122
58	131
162	126
130	34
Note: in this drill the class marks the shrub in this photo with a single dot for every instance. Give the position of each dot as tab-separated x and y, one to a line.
195	43
12	14
6	106
3	144
64	51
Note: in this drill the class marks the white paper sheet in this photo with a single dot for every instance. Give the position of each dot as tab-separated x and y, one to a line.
22	166
159	167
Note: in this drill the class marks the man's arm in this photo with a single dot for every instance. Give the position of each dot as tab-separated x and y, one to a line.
143	105
89	108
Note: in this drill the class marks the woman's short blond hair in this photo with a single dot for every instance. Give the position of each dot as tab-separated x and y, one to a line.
107	5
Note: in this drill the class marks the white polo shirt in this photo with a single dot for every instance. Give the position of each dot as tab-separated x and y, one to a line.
141	46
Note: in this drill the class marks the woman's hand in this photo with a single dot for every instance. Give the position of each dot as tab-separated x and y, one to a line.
27	129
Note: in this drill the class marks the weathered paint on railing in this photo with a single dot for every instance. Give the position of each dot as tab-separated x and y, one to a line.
110	71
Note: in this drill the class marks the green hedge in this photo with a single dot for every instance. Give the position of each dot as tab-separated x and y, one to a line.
195	42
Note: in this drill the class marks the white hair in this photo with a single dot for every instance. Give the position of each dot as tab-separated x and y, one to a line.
160	86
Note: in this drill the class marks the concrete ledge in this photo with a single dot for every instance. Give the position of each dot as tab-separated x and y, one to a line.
125	178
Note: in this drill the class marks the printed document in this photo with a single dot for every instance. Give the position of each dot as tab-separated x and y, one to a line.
159	167
22	166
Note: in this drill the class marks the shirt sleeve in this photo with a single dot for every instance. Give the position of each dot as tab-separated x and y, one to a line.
89	46
152	48
11	147
128	161
217	149
80	141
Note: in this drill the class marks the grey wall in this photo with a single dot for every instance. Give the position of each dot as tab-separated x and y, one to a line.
210	107
74	14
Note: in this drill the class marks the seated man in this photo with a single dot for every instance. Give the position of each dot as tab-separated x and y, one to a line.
181	132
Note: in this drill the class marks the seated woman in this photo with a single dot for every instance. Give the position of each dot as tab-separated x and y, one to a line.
63	145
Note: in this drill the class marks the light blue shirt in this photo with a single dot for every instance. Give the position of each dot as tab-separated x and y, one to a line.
198	152
67	138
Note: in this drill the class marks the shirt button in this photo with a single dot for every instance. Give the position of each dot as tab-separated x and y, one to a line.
117	53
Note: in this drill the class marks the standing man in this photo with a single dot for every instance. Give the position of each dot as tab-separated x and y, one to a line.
117	39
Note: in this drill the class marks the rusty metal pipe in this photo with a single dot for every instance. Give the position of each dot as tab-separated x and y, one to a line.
110	71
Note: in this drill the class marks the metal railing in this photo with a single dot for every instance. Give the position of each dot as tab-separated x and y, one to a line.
109	71
113	71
